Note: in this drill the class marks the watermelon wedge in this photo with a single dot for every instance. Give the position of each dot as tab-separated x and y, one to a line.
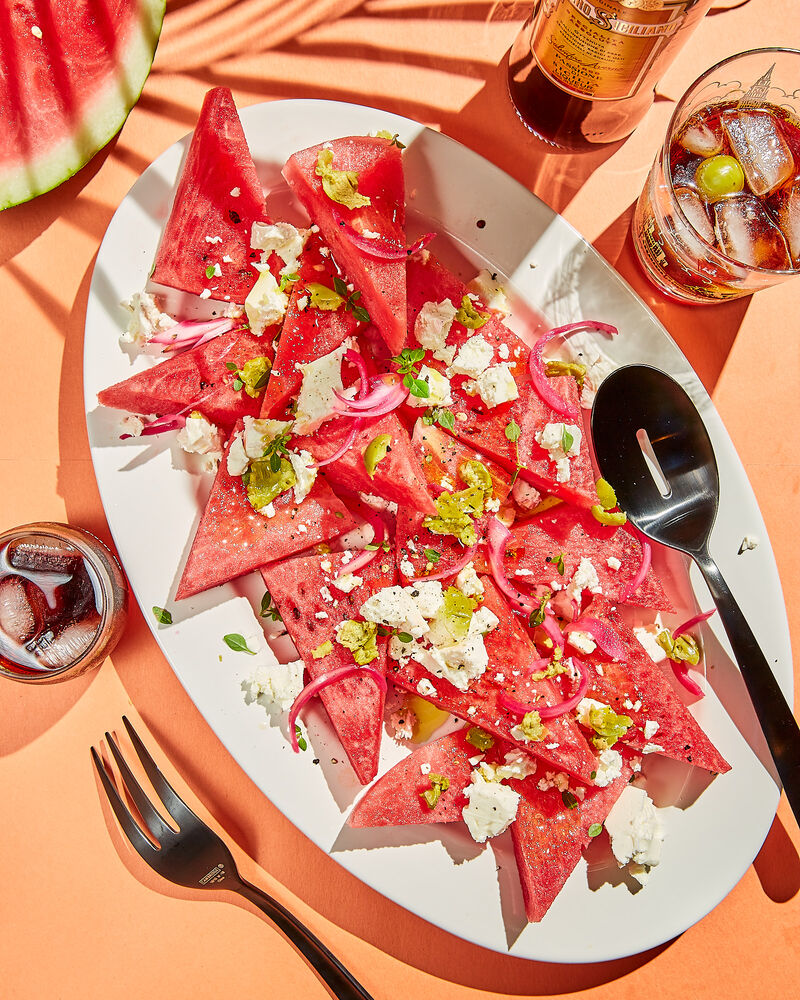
307	333
301	588
549	837
219	197
70	72
197	379
511	654
485	428
573	533
233	539
379	166
396	798
441	457
398	477
640	689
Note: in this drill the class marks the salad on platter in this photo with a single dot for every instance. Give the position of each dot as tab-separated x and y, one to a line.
414	483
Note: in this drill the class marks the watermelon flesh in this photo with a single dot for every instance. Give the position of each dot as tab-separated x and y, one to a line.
510	650
396	798
233	539
205	209
484	428
379	166
307	333
574	534
197	379
300	588
70	72
549	837
638	680
398	477
441	457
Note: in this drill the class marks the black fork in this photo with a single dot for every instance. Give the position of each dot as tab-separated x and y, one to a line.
194	856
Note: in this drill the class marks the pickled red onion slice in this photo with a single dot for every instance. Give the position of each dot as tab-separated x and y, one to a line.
681	671
320	683
160	425
380	247
551	711
691	622
365	557
605	636
191	333
383	398
451	571
357	359
497	535
636	580
346	446
536	364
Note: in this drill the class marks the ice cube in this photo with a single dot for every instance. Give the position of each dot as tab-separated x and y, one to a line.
69	644
684	174
695	211
758	144
43	555
785	205
747	233
703	139
21	609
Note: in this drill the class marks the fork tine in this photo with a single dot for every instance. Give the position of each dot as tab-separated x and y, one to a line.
154	822
126	821
173	803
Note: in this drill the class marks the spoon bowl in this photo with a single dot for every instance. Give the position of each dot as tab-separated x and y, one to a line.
652	446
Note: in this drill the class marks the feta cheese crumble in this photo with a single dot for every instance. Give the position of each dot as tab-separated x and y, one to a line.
237	461
492	807
199	436
274	685
468	582
321	378
473	358
347	582
438	389
305	471
432	326
636	832
146	319
613	563
495	386
426	689
487	285
281	238
552	439
265	304
608	768
584	578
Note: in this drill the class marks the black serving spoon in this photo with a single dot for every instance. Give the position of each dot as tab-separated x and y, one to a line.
640	410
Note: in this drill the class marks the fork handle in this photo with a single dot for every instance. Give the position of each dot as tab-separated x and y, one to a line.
343	985
777	722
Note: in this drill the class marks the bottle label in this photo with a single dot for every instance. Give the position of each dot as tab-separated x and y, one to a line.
602	49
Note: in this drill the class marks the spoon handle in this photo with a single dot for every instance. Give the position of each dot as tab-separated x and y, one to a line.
777	722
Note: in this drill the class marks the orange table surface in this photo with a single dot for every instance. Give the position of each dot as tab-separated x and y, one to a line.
80	916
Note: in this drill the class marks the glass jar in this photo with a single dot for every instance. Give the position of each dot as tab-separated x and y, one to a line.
63	602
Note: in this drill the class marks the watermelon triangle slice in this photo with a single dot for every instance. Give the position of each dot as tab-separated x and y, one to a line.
307	333
398	477
379	166
485	428
640	689
573	533
441	457
233	539
511	653
312	607
197	378
219	197
396	798
549	837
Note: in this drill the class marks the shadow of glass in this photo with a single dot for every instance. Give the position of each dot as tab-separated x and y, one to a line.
778	865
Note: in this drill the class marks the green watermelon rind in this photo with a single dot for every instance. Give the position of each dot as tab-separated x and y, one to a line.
100	123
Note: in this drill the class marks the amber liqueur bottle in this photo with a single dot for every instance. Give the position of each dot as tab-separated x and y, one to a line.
583	72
